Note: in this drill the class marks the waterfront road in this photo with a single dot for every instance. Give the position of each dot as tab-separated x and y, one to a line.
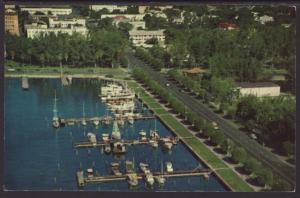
280	167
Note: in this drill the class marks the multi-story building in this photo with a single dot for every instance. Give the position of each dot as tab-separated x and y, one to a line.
259	89
36	29
135	24
110	8
139	37
66	22
51	10
131	17
11	22
143	9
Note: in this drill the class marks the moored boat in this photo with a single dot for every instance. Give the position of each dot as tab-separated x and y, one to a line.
142	135
169	167
107	148
115	168
116	132
132	179
90	172
119	148
149	179
105	137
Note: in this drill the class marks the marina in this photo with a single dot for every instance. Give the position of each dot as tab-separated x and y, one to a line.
125	142
53	148
82	180
103	119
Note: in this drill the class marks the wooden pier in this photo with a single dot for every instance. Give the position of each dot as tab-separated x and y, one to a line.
66	80
81	180
89	144
70	121
25	84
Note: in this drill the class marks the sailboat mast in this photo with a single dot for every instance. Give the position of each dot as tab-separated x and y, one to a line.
83	113
55	116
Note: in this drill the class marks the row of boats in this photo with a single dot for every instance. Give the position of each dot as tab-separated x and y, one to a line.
132	177
114	142
120	100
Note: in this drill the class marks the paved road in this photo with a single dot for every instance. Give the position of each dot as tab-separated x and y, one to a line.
279	166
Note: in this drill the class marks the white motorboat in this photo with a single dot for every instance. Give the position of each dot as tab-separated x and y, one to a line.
107	148
92	138
105	137
116	132
96	122
169	167
142	135
149	179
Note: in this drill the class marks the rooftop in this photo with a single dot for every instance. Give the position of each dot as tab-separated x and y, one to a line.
256	85
195	70
44	6
146	32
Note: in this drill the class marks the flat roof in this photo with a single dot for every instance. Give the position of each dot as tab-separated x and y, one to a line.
146	32
256	85
45	6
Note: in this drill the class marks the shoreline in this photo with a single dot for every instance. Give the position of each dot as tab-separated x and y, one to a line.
160	117
57	76
215	169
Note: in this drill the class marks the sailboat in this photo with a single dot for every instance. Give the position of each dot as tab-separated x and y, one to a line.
115	131
161	179
106	118
55	120
154	133
130	117
96	122
83	122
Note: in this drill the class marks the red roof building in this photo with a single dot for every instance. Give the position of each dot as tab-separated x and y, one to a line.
227	26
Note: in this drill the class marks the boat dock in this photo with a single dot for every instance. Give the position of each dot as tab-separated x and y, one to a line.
25	84
66	80
89	144
81	180
70	121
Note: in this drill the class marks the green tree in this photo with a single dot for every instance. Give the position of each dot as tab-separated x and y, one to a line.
217	138
251	165
280	185
238	154
288	148
264	177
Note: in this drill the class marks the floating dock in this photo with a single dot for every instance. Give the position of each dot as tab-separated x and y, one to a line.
25	84
82	181
70	121
66	80
89	144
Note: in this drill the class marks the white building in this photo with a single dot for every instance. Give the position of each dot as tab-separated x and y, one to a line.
35	30
262	19
135	24
139	37
110	8
144	9
64	23
259	89
131	17
138	24
54	10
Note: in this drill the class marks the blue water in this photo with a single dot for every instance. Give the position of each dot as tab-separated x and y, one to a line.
39	157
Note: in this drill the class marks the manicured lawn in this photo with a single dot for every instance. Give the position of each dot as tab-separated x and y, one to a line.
207	156
154	105
160	111
233	180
